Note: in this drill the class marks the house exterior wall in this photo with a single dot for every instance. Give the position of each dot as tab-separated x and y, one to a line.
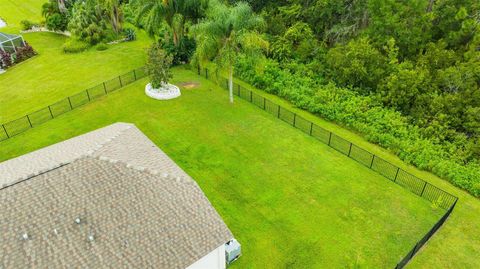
213	260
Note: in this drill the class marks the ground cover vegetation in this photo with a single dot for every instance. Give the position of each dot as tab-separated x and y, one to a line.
291	201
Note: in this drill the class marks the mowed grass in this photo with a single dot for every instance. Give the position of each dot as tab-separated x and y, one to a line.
53	75
292	201
14	11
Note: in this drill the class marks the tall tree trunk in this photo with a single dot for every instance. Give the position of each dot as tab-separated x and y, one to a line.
230	83
175	37
430	5
61	6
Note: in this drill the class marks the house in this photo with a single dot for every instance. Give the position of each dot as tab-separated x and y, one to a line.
107	199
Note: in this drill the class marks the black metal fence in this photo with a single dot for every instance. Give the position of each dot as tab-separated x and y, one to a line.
397	175
38	117
392	172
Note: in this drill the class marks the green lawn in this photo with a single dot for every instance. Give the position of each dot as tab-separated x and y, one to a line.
292	201
14	11
53	75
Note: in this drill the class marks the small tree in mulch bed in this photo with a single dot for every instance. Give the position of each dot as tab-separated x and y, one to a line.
158	66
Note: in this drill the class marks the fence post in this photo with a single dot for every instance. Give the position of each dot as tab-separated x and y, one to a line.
70	102
238	90
104	87
294	119
120	79
88	95
3	125
396	174
49	109
424	185
373	158
198	69
329	138
311	128
206	73
278	112
264	105
134	74
350	149
29	122
251	96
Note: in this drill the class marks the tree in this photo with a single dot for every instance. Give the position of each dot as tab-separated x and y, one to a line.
175	13
87	23
55	17
114	14
357	64
158	66
227	32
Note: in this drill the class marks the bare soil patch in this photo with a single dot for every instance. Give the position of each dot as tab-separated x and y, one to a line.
190	85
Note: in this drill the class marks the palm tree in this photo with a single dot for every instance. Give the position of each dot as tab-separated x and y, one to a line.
49	8
174	13
114	14
227	32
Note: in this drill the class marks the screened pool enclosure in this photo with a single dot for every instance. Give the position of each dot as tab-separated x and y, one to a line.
9	43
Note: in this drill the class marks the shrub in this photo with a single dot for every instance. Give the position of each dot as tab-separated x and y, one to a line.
158	66
365	114
75	46
27	25
129	34
24	53
102	46
86	24
182	53
5	59
56	22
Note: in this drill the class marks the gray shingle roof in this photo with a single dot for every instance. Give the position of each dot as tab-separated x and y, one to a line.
137	209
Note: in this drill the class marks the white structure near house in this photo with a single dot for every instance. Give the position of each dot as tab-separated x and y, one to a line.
107	199
9	43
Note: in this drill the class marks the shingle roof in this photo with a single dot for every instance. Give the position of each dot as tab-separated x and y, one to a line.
140	209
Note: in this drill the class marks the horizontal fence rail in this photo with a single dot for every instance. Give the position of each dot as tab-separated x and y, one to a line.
20	125
420	187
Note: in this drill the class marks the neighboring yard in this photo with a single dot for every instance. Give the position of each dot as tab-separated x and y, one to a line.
53	75
291	201
13	12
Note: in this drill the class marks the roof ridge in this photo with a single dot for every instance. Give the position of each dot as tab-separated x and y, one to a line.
89	152
108	140
153	172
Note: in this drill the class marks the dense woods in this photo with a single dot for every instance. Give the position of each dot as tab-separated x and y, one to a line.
404	73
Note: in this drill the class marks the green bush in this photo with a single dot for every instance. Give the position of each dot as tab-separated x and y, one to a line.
101	47
56	22
129	34
27	25
75	46
367	115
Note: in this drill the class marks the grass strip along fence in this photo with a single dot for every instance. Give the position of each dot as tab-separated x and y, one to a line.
38	117
397	175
